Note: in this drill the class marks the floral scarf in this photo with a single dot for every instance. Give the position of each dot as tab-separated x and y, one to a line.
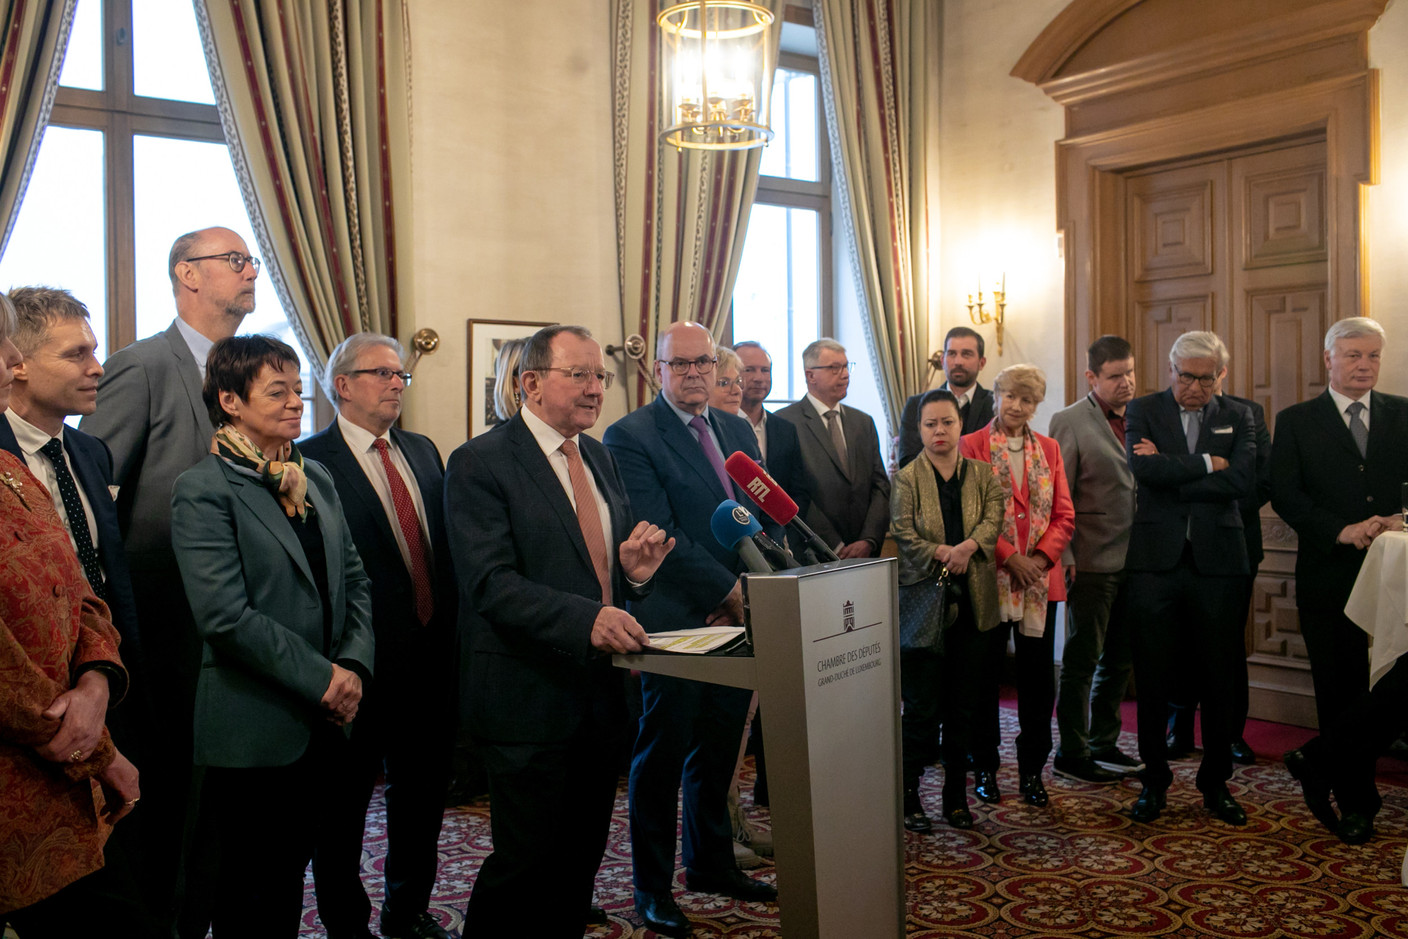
282	474
1025	607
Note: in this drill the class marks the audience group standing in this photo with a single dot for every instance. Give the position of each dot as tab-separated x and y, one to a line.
284	623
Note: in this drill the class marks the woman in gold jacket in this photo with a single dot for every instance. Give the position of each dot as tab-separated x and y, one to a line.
944	511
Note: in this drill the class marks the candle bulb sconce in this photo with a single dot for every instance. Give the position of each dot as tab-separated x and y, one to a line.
981	317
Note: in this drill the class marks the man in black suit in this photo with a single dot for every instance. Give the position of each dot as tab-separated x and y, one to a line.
391	485
547	553
671	455
1193	460
1336	472
963	359
58	378
846	481
777	439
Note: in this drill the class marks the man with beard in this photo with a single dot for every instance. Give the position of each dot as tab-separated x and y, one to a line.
963	360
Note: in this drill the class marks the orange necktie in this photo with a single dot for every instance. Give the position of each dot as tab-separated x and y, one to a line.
588	517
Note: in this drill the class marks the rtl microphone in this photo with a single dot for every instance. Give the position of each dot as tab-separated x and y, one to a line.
778	505
731	525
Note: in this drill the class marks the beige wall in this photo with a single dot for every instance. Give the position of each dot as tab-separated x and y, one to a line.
512	177
1388	201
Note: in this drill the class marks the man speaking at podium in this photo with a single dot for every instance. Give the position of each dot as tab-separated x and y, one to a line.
671	455
546	556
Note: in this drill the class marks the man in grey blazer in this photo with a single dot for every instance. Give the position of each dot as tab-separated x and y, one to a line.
151	416
850	492
1091	435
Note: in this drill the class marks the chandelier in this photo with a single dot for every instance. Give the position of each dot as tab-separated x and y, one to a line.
715	59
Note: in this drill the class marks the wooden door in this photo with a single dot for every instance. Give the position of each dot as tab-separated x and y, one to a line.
1238	243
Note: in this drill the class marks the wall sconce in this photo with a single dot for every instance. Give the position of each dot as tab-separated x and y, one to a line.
981	317
714	55
425	341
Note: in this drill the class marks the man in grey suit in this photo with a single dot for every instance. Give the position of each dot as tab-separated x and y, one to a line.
151	416
850	493
1091	435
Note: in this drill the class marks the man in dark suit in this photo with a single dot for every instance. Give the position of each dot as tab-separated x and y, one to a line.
151	416
1336	472
547	553
1097	661
1193	460
963	359
58	378
850	493
671	455
391	485
777	439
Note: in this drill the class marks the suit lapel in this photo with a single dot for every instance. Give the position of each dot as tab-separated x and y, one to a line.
1171	424
425	473
189	372
330	527
816	425
682	441
1210	415
1332	422
535	465
344	463
267	510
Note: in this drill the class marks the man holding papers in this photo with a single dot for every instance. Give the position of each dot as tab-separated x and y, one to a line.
546	554
671	455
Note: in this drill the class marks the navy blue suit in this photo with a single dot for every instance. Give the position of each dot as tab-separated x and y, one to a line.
547	710
688	730
406	719
1188	561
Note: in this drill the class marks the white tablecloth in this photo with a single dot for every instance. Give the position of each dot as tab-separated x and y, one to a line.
1379	601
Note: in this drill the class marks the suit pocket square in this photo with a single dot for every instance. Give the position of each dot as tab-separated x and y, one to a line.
1224	430
112	491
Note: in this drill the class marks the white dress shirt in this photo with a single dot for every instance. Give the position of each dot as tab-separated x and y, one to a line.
1343	401
551	443
361	442
31	439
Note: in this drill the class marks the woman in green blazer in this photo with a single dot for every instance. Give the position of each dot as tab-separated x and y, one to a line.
283	608
944	511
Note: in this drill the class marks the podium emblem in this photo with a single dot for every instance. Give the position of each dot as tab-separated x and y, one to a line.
848	616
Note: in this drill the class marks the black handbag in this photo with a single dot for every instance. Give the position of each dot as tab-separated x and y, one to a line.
926	609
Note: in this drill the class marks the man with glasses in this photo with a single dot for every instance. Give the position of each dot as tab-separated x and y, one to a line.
391	483
548	552
1194	461
850	493
151	416
671	455
777	439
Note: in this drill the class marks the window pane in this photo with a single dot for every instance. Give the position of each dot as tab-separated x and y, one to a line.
168	59
777	299
83	62
793	151
58	239
165	212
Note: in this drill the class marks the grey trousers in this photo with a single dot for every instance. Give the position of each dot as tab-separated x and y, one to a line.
1095	666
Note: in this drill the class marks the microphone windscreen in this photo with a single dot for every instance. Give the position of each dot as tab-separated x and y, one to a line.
763	489
732	523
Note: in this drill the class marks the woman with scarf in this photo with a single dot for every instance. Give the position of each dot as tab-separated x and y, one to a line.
282	607
1037	524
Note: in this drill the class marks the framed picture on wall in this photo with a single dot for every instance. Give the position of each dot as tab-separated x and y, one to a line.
486	337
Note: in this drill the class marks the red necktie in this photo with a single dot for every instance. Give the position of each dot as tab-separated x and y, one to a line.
411	531
588	517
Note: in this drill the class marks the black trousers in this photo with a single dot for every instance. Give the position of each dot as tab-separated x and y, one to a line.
1187	623
940	688
1184	700
1361	732
405	726
550	815
108	902
269	818
1036	695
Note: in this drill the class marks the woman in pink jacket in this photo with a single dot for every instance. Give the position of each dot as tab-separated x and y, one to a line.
1037	525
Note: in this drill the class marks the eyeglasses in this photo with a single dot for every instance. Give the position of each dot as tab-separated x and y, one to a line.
236	260
582	375
384	374
1187	378
842	367
728	382
704	363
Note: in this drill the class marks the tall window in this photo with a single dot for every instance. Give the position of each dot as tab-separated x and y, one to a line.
783	294
133	156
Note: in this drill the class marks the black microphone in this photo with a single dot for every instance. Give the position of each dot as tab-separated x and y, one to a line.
731	525
775	554
771	498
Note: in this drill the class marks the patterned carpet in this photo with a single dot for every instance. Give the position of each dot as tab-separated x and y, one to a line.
1078	868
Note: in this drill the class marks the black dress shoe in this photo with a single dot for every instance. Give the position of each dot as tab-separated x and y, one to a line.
1149	804
1242	752
914	817
420	926
1355	828
596	916
1180	747
1315	787
958	816
1033	791
1225	807
661	914
730	883
985	786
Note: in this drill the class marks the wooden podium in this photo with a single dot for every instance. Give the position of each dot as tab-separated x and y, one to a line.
826	668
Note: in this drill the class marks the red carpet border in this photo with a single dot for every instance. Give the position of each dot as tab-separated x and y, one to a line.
1078	868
